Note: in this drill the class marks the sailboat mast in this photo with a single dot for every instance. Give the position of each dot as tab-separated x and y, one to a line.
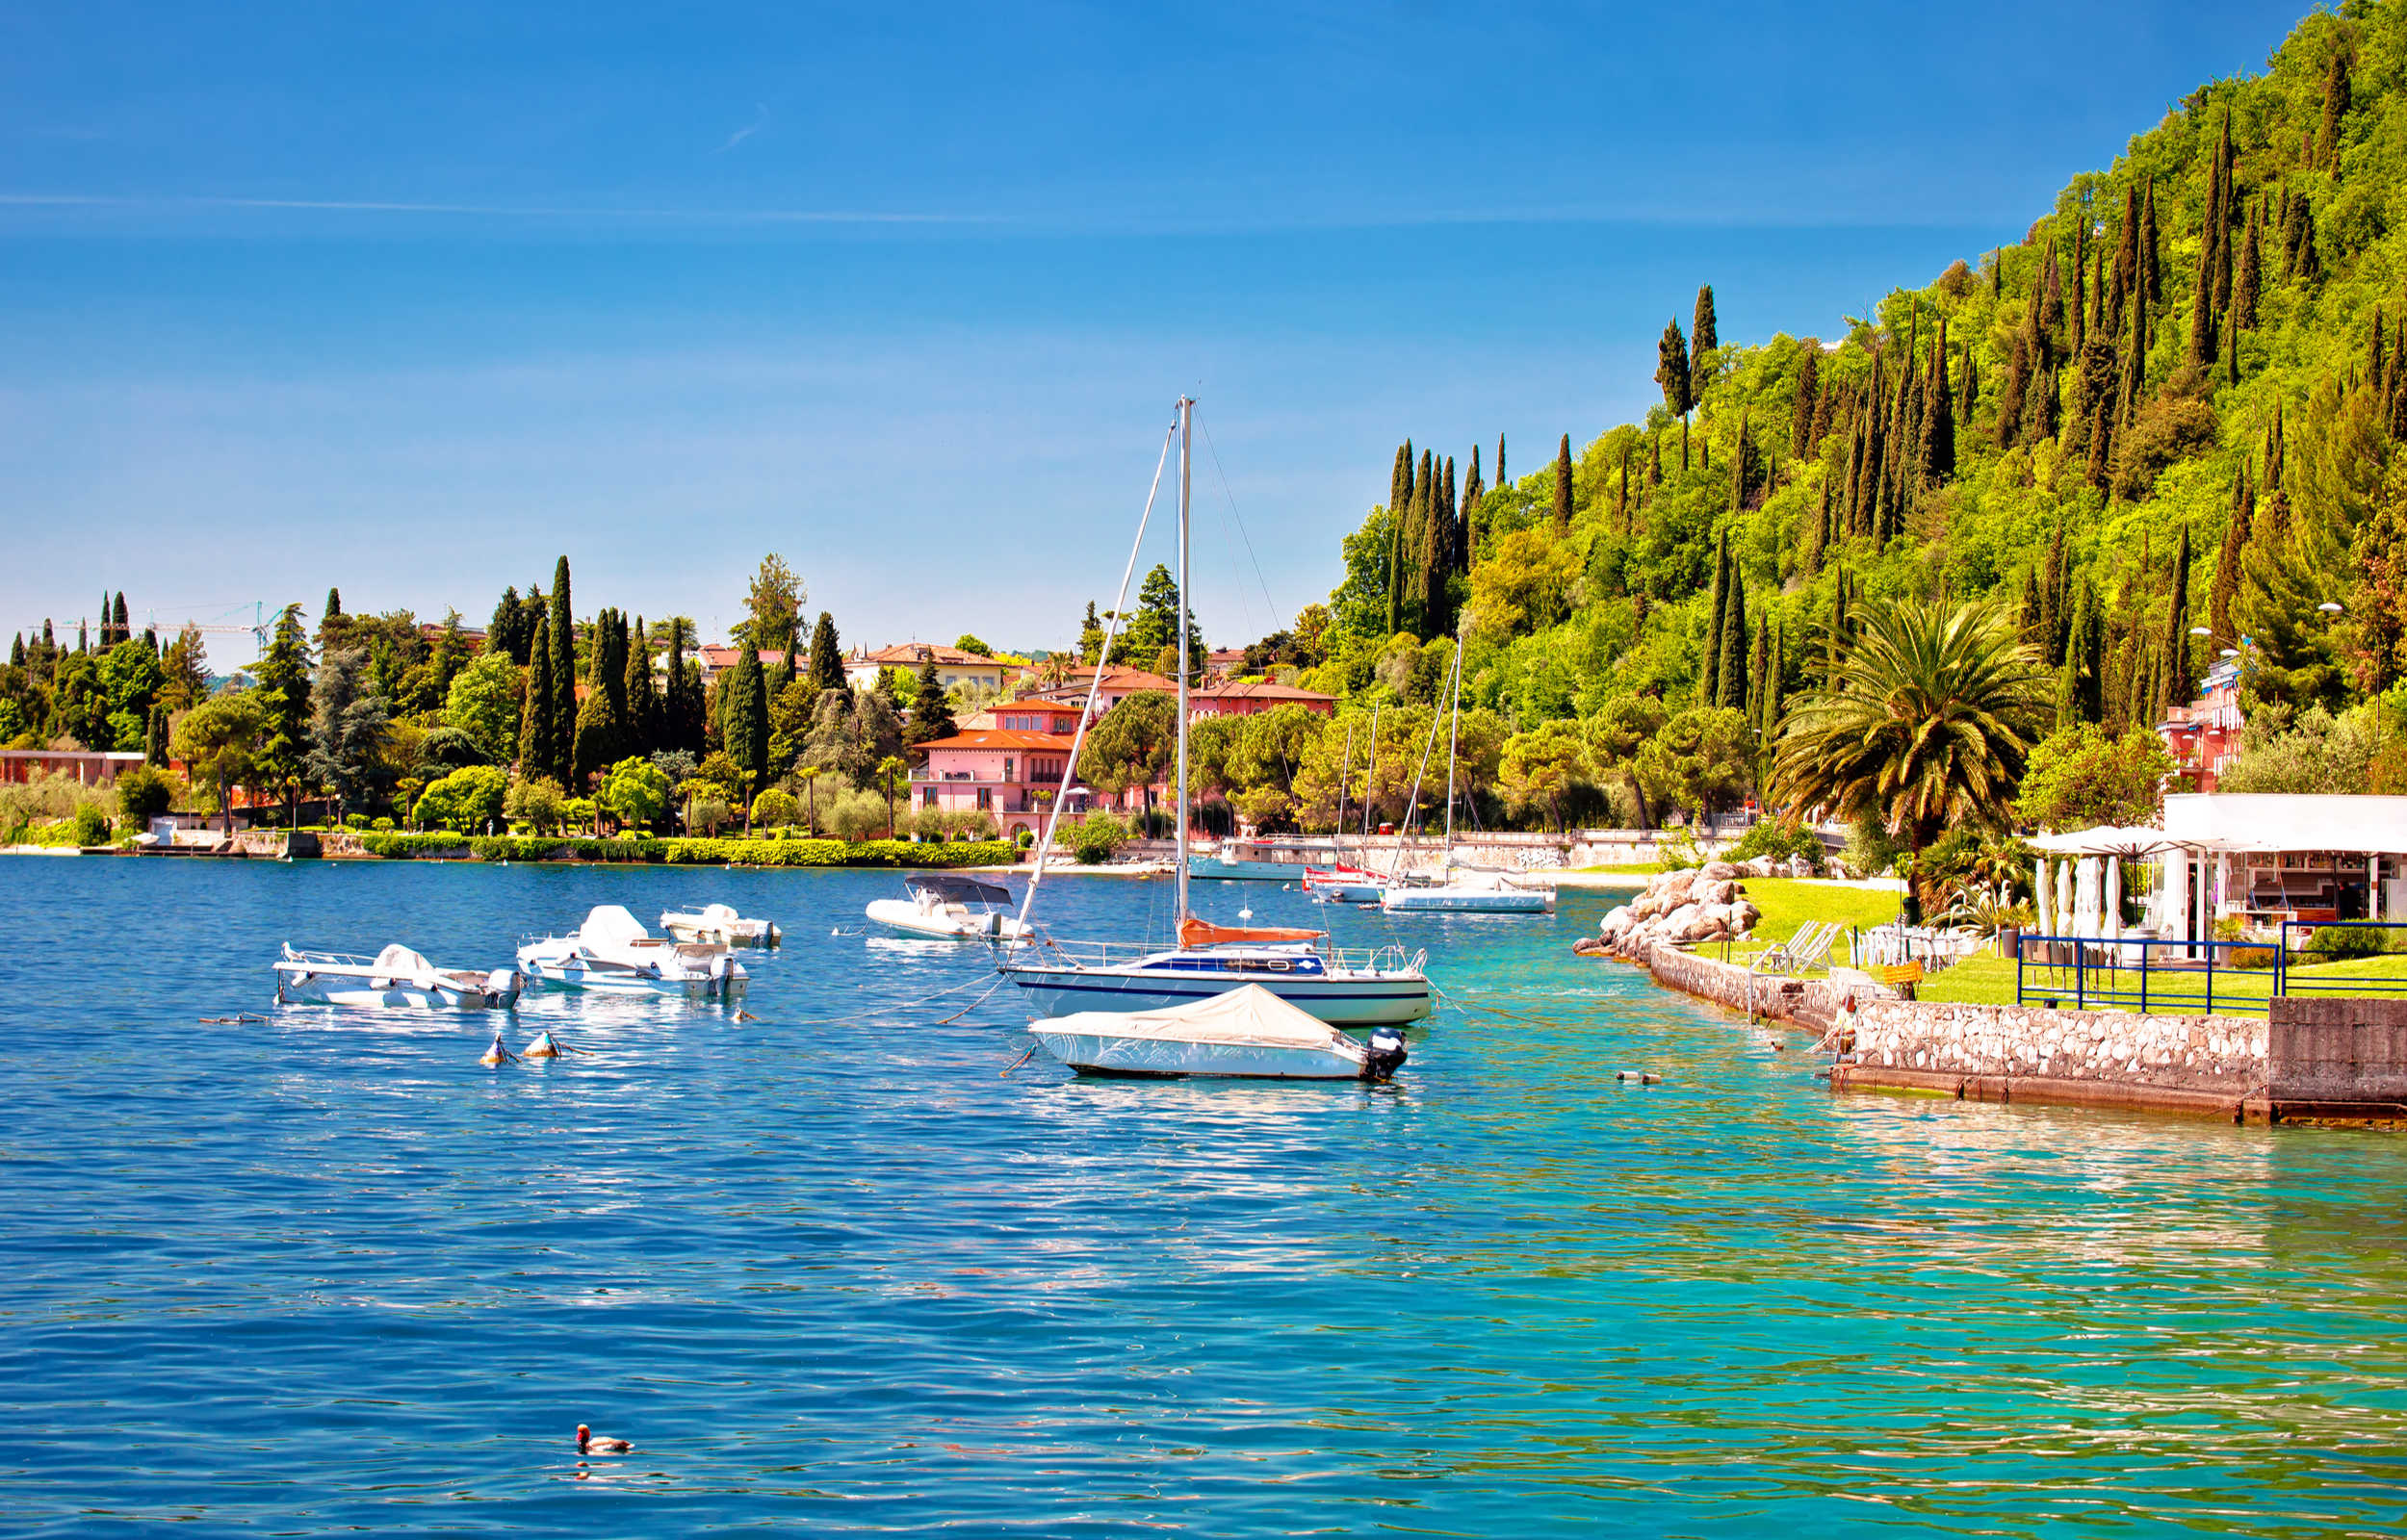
1345	779
1370	786
1186	460
1454	739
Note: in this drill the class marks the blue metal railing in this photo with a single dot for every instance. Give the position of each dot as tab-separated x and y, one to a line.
2201	977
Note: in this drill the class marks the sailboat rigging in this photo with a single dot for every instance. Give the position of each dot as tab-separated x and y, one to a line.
1344	987
1469	892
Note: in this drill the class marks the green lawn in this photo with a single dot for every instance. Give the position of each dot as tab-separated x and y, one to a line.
1789	904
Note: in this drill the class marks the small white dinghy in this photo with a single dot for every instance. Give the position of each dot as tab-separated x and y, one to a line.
717	923
612	951
395	977
950	906
1247	1032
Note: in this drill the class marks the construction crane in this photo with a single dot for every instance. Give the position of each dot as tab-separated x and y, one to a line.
216	624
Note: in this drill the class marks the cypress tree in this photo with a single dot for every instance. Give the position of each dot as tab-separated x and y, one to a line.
155	738
1737	468
1709	685
1563	488
2151	260
534	726
123	626
1703	338
744	718
1621	502
1937	449
1654	460
2248	280
931	709
16	650
1436	557
1801	411
1731	687
1500	466
1473	491
595	747
2227	561
1821	527
560	756
1401	510
641	726
1768	684
2175	652
2076	321
2335	108
1671	370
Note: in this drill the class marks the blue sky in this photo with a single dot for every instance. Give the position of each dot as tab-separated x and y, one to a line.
413	298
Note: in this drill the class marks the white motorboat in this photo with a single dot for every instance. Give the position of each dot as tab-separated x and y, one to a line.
954	908
1364	988
1247	1032
717	923
612	951
395	977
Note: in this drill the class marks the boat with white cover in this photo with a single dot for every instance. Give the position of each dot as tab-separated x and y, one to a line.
1246	1033
613	952
1385	987
396	977
950	906
719	923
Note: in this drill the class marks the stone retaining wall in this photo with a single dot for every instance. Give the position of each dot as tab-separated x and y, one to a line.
2225	1055
1809	1002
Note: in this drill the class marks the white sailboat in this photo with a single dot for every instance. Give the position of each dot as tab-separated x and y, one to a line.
1462	891
1244	1033
1340	883
1357	988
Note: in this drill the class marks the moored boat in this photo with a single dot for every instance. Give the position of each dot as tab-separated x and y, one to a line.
720	924
950	906
396	977
1246	1033
613	952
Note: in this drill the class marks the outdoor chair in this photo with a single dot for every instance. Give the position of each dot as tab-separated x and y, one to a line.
1800	953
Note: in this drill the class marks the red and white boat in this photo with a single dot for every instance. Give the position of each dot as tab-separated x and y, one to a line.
1343	884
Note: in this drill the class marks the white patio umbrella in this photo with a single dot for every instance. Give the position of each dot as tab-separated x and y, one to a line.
2064	923
2042	910
2111	900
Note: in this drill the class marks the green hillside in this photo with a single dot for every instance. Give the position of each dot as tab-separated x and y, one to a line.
2175	404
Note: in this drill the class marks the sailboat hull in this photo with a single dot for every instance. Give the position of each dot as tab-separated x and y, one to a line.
1464	901
1341	1001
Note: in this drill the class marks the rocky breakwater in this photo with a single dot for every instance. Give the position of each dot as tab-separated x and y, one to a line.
1683	908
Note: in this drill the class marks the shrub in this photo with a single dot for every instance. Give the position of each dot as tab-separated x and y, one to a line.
1782	841
402	847
92	825
857	815
382	825
535	802
2335	942
775	809
1096	839
467	799
142	794
356	821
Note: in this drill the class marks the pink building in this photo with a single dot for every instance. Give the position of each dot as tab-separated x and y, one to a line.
2202	735
1013	775
91	767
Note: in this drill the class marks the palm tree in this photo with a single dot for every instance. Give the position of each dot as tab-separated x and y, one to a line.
806	774
1928	720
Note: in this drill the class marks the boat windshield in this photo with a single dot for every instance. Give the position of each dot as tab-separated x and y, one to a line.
947	887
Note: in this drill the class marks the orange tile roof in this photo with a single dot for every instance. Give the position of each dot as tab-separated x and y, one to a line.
924	652
1000	738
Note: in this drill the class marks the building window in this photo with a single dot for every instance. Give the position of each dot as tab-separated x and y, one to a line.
986	799
1008	774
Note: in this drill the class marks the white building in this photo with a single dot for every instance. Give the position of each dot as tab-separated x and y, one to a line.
2266	858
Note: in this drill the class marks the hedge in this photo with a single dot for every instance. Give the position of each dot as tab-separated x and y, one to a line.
698	852
402	847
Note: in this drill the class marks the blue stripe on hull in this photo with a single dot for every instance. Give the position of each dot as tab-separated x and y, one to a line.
1334	1002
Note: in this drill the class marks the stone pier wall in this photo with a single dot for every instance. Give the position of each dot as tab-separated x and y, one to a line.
2220	1055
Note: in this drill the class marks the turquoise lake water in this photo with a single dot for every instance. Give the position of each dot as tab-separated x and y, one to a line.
834	1270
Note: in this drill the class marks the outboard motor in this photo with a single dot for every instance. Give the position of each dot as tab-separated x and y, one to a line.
1385	1054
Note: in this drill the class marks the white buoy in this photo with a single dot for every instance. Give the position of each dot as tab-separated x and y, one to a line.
542	1048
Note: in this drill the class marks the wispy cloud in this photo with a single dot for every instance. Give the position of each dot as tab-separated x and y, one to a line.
101	202
759	120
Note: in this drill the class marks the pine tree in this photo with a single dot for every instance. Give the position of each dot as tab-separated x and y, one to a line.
827	659
1563	488
561	755
931	711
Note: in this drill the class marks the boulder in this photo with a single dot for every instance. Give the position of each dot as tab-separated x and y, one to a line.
1719	871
